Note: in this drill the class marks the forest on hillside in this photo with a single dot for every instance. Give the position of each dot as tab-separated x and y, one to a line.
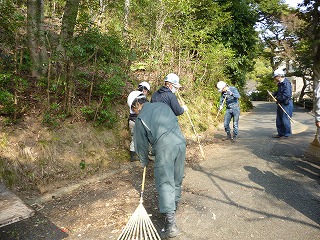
67	67
82	57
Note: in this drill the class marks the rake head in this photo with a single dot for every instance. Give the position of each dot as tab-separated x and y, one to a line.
316	140
139	226
297	127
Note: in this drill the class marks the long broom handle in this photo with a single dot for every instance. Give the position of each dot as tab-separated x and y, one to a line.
224	100
143	182
280	106
193	128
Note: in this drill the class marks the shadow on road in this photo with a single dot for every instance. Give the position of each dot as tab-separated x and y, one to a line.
282	188
273	167
278	187
36	227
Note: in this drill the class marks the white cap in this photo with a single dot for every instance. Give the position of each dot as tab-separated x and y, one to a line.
221	85
133	95
174	79
278	72
145	84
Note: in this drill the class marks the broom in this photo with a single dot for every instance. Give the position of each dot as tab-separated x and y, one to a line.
316	140
313	151
194	129
140	226
297	127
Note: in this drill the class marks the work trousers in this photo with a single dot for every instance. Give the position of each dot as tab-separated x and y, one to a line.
283	122
168	173
131	126
232	113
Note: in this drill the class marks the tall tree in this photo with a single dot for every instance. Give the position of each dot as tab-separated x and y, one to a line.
240	35
310	12
68	23
273	32
126	18
66	36
309	38
36	38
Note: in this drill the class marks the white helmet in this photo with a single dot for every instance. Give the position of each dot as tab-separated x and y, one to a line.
173	78
133	95
144	84
221	85
278	72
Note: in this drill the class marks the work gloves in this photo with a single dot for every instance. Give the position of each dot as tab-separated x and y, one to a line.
229	92
185	108
220	107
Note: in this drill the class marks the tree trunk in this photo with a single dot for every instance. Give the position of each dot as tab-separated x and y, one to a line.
126	17
68	23
302	93
68	88
315	36
36	39
66	35
316	67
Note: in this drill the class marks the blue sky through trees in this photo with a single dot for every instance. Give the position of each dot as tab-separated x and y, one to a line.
293	3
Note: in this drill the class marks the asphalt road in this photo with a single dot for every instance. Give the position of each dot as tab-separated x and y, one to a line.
258	187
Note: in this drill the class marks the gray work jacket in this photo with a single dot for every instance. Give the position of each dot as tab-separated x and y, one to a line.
158	125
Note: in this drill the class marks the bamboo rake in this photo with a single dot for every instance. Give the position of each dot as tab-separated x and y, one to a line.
297	127
224	100
316	139
193	128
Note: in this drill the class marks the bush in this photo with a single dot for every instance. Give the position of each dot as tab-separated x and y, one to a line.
101	115
6	103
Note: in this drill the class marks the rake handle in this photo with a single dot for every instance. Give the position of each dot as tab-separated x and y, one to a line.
143	182
224	100
193	128
280	106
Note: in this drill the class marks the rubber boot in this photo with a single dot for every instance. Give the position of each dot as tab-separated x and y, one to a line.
234	139
133	156
227	138
177	205
170	229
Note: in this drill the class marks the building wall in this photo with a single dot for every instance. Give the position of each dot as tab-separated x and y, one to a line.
297	84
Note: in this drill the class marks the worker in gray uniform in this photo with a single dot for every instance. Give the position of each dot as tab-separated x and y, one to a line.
230	96
157	124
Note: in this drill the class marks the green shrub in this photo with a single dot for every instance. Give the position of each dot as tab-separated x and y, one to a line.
6	102
9	84
101	116
88	112
53	116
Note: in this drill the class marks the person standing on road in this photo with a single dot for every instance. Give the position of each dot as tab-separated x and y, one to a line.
143	88
283	96
230	96
166	94
157	125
